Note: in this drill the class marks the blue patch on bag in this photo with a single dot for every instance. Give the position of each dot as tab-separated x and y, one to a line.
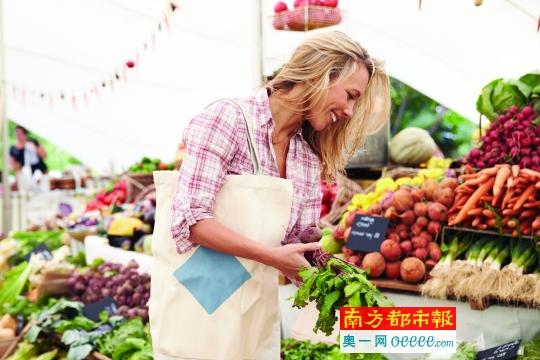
211	277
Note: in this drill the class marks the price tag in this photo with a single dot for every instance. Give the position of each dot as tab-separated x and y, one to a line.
367	233
503	352
93	310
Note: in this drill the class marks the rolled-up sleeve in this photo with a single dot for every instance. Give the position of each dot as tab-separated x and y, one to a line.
210	141
306	228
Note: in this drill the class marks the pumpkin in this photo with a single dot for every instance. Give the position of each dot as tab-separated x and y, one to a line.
412	146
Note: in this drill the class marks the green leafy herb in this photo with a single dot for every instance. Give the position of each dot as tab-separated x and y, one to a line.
333	286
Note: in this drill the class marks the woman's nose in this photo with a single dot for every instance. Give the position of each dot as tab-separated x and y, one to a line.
348	109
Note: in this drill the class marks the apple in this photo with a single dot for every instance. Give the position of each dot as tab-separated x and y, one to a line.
280	6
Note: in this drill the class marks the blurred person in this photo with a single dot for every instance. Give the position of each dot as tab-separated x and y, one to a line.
27	152
246	202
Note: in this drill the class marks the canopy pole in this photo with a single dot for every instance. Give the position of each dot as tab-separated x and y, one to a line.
257	45
6	208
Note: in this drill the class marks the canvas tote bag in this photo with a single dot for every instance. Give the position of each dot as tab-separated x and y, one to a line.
209	305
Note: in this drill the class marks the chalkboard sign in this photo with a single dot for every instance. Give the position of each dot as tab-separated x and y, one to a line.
40	249
367	233
503	352
92	310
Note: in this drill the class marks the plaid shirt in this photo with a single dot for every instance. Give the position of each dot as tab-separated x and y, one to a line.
216	145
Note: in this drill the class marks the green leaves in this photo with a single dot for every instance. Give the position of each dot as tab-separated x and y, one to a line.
499	95
333	286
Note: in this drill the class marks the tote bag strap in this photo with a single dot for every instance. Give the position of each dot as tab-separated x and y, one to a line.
252	150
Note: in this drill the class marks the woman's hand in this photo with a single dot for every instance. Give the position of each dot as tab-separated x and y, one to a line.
290	258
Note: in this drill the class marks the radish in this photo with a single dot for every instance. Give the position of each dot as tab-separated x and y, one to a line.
422	221
374	261
408	217
355	259
434	251
412	270
420	253
391	250
406	247
419	242
402	200
393	269
420	209
434	227
437	211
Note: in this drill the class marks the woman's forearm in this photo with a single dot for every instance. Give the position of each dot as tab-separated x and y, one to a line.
214	235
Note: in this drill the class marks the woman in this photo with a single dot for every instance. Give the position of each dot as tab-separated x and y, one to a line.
227	224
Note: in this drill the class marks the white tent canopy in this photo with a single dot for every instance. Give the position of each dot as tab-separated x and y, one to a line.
448	50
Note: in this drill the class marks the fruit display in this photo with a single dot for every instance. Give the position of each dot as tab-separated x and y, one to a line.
503	198
124	284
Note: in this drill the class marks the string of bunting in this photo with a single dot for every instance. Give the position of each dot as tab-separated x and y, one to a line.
110	82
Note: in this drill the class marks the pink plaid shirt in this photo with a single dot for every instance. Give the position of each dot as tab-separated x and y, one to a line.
216	145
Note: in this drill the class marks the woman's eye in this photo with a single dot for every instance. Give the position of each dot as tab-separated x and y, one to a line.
349	96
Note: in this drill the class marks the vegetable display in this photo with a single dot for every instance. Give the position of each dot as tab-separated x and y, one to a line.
124	284
292	349
503	198
514	138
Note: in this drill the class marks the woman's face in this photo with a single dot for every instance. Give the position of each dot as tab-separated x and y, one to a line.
342	95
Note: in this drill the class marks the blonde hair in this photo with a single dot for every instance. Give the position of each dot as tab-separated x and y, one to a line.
316	62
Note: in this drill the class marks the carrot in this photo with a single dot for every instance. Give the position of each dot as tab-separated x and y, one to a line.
482	226
515	171
473	200
536	223
515	233
507	197
530	190
477	220
475	212
490	214
486	198
490	171
497	199
532	205
527	231
527	213
509	182
477	181
507	212
464	190
503	174
492	223
512	223
468	169
530	172
538	185
468	176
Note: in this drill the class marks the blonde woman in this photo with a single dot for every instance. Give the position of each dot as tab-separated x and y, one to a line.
248	198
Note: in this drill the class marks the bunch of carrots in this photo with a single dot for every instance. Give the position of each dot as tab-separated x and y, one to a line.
504	197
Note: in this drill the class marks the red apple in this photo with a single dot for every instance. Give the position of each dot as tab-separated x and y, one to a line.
280	6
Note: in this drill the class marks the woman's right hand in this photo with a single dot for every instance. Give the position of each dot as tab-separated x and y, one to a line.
290	258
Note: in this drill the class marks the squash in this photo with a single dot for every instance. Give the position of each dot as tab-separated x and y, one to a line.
412	146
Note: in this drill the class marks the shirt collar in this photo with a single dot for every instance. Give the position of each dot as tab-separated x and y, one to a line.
266	115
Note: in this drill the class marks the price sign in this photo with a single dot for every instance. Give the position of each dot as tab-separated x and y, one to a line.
367	233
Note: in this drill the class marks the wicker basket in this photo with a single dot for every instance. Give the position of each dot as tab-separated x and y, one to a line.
307	18
136	183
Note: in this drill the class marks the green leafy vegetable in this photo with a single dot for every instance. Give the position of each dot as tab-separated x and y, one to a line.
465	351
333	286
292	349
14	283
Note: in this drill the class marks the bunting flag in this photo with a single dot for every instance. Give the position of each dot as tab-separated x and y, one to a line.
119	75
